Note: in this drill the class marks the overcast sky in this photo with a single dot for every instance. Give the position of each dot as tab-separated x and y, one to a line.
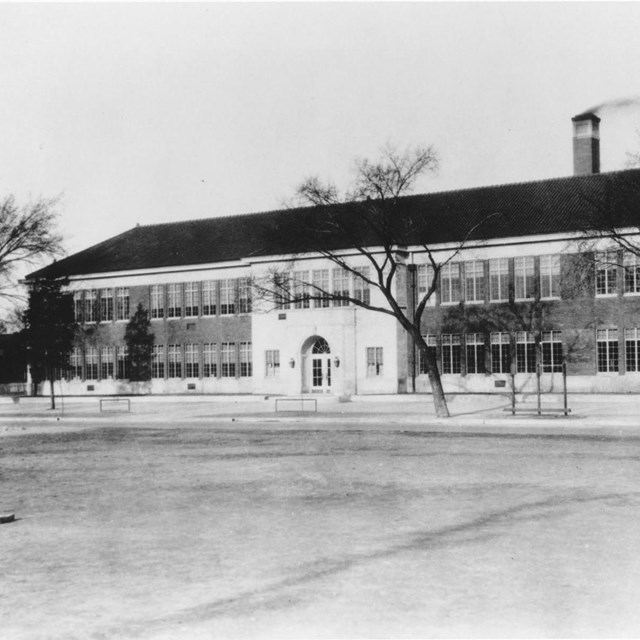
160	112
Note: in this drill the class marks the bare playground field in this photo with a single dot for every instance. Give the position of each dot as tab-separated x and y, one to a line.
256	531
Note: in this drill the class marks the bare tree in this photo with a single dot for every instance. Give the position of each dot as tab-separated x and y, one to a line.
370	224
27	234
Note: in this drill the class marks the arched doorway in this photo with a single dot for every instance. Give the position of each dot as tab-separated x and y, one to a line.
316	356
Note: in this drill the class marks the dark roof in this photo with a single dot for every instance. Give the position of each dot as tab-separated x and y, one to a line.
501	211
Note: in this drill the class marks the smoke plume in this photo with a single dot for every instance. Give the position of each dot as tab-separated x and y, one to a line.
614	105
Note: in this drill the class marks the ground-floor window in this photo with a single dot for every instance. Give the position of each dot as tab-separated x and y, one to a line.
246	360
122	363
475	353
107	363
191	361
500	352
91	363
551	343
174	361
210	360
607	350
525	352
75	363
374	362
272	363
451	360
157	361
228	359
632	349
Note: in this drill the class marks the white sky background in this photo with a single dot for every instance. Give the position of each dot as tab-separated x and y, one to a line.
161	112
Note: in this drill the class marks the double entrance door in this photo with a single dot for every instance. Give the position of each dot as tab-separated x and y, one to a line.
320	362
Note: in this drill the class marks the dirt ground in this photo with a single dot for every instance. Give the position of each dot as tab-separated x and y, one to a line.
205	531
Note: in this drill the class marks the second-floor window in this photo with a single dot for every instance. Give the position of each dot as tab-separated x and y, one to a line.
499	280
91	305
106	305
209	296
524	278
122	303
191	300
550	276
450	283
157	302
361	286
227	297
244	295
320	287
174	301
606	273
631	272
474	281
341	280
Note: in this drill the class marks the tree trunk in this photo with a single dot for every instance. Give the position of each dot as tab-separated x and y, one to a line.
439	401
53	395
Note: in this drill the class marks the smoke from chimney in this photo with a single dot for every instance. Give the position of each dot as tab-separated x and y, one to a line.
613	105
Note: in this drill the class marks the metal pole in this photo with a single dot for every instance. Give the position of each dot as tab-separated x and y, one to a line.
564	386
513	390
538	384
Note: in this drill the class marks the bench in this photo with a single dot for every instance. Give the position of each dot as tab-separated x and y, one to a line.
298	404
539	411
115	404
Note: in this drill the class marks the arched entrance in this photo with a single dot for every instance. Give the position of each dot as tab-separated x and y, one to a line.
316	356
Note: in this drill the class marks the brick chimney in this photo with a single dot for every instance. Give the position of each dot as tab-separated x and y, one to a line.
586	144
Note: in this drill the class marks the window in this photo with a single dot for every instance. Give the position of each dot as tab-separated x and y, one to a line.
374	362
631	272
300	289
361	288
157	361
227	297
451	361
431	348
191	300
90	305
474	281
450	283
106	305
282	290
210	360
606	273
499	280
122	303
157	301
320	282
174	361
607	350
191	361
174	300
424	281
524	277
228	359
122	363
551	343
107	363
244	295
500	353
549	276
475	353
525	352
341	280
77	306
75	362
246	360
91	363
272	363
632	349
209	295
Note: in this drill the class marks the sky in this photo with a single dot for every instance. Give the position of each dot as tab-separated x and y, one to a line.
147	113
